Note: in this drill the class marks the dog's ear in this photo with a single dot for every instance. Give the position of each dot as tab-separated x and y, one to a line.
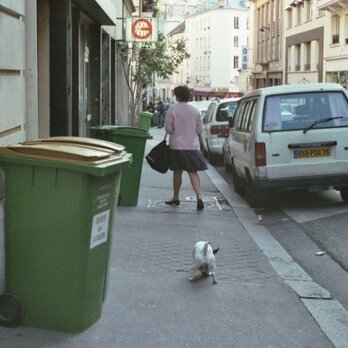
215	251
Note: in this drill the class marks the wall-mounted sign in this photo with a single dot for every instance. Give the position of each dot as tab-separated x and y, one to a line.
141	29
245	58
220	89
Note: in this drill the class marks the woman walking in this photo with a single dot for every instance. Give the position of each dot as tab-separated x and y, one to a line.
184	124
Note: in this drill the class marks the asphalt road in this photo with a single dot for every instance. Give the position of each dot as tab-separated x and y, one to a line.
307	223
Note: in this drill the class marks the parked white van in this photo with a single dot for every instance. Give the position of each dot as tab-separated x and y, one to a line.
290	137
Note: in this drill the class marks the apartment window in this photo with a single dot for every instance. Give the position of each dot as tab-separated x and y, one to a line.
235	41
289	13
308	9
335	29
274	49
346	29
235	62
307	64
236	22
298	58
299	14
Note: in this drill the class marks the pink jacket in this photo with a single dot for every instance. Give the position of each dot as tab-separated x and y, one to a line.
183	124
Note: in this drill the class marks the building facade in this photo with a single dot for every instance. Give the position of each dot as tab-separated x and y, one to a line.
335	41
267	32
58	67
215	38
304	30
60	72
295	40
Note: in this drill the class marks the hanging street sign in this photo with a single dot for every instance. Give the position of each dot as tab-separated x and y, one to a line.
245	58
141	29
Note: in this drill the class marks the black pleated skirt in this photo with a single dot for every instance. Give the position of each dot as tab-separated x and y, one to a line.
188	160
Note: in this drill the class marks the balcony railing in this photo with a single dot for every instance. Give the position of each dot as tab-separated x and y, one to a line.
334	6
307	67
297	67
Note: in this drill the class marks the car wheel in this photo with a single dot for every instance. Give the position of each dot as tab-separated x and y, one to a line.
344	194
227	166
238	183
255	197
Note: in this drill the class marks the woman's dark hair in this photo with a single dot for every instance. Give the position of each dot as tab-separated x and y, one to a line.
182	93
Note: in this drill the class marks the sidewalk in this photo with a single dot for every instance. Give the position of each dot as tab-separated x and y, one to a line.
150	304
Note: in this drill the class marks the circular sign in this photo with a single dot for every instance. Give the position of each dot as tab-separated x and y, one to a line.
141	29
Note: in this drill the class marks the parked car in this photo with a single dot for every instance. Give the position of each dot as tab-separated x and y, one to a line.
289	137
201	105
216	127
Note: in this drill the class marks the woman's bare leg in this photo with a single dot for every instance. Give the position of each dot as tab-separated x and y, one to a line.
196	184
177	180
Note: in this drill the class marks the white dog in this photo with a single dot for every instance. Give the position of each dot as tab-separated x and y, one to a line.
204	259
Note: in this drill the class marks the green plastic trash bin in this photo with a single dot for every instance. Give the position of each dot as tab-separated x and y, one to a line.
59	209
144	120
134	140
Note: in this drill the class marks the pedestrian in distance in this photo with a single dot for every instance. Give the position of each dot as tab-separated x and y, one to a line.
160	110
150	107
184	124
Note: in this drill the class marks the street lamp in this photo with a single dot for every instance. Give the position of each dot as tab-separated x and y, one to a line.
296	3
263	29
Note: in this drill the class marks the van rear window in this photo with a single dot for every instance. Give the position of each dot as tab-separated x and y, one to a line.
301	110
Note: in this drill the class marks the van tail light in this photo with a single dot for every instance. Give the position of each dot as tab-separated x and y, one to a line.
260	154
220	131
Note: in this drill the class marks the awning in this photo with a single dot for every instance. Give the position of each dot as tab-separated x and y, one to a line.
220	95
102	12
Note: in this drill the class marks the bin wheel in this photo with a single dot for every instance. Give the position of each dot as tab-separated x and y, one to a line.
11	311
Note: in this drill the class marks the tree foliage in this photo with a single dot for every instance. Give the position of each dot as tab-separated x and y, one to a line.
142	61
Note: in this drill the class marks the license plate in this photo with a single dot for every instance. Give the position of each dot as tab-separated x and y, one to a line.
309	153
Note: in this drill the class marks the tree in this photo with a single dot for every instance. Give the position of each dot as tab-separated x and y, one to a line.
142	60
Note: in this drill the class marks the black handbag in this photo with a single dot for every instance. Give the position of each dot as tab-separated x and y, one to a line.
159	157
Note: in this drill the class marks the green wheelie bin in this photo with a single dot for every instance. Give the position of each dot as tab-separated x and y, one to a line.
144	120
134	140
60	196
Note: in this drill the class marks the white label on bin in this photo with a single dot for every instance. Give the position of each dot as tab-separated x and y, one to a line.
100	226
